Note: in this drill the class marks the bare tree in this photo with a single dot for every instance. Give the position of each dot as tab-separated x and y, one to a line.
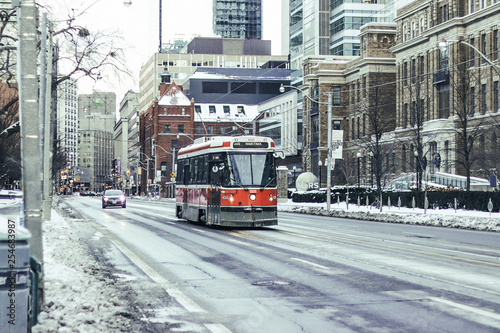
416	119
78	52
468	120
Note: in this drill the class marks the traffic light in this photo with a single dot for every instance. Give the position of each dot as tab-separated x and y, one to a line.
128	173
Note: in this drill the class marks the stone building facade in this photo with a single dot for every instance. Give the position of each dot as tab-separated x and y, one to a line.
447	96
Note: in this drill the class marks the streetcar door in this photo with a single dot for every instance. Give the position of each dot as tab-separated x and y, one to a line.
216	170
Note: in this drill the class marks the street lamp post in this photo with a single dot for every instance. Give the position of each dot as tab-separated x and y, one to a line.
416	167
371	169
329	157
358	155
320	164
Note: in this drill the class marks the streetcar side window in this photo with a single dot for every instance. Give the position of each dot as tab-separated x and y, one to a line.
180	172
204	178
196	170
191	171
186	173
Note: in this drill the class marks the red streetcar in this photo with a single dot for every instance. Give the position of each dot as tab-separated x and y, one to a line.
227	181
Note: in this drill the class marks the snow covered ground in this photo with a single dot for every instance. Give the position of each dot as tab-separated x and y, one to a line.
433	217
81	297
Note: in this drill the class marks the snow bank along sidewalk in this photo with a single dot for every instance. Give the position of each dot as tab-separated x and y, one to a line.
78	296
440	217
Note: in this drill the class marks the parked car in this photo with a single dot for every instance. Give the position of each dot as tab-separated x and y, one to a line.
114	198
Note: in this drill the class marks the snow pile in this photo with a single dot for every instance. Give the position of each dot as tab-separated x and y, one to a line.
432	217
79	297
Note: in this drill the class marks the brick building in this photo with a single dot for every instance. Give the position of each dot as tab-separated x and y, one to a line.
165	127
363	103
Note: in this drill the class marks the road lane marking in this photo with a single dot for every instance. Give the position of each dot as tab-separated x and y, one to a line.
310	263
182	299
466	307
217	328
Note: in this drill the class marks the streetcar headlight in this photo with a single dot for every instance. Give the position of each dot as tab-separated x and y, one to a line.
271	197
231	198
253	197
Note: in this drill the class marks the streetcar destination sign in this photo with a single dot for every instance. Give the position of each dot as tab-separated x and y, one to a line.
253	144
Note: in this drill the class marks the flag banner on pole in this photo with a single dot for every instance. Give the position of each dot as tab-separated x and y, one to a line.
337	142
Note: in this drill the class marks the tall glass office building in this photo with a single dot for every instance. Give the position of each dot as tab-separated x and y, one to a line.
238	18
323	27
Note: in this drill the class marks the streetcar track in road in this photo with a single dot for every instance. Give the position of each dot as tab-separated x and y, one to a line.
331	237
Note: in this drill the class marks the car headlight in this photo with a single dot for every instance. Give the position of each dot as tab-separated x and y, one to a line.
105	199
253	197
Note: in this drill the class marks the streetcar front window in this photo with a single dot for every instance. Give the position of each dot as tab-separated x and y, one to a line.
250	170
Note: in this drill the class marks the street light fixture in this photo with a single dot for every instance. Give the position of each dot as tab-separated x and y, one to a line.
443	46
127	3
329	157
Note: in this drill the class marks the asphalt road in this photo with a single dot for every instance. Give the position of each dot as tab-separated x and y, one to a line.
308	274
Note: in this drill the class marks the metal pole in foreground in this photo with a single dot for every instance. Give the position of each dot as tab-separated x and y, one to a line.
30	134
329	157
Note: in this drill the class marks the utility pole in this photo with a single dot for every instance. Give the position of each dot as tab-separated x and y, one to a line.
30	134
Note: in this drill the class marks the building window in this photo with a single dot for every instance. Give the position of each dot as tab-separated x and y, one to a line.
183	112
210	129
484	105
222	130
336	96
226	110
241	110
495	44
405	116
175	144
405	33
405	73
422	68
483	46
337	125
421	25
211	109
165	110
472	54
471	6
180	128
413	70
472	101
413	30
495	96
167	129
197	108
443	13
197	129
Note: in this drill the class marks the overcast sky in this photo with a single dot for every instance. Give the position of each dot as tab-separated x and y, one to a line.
139	25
